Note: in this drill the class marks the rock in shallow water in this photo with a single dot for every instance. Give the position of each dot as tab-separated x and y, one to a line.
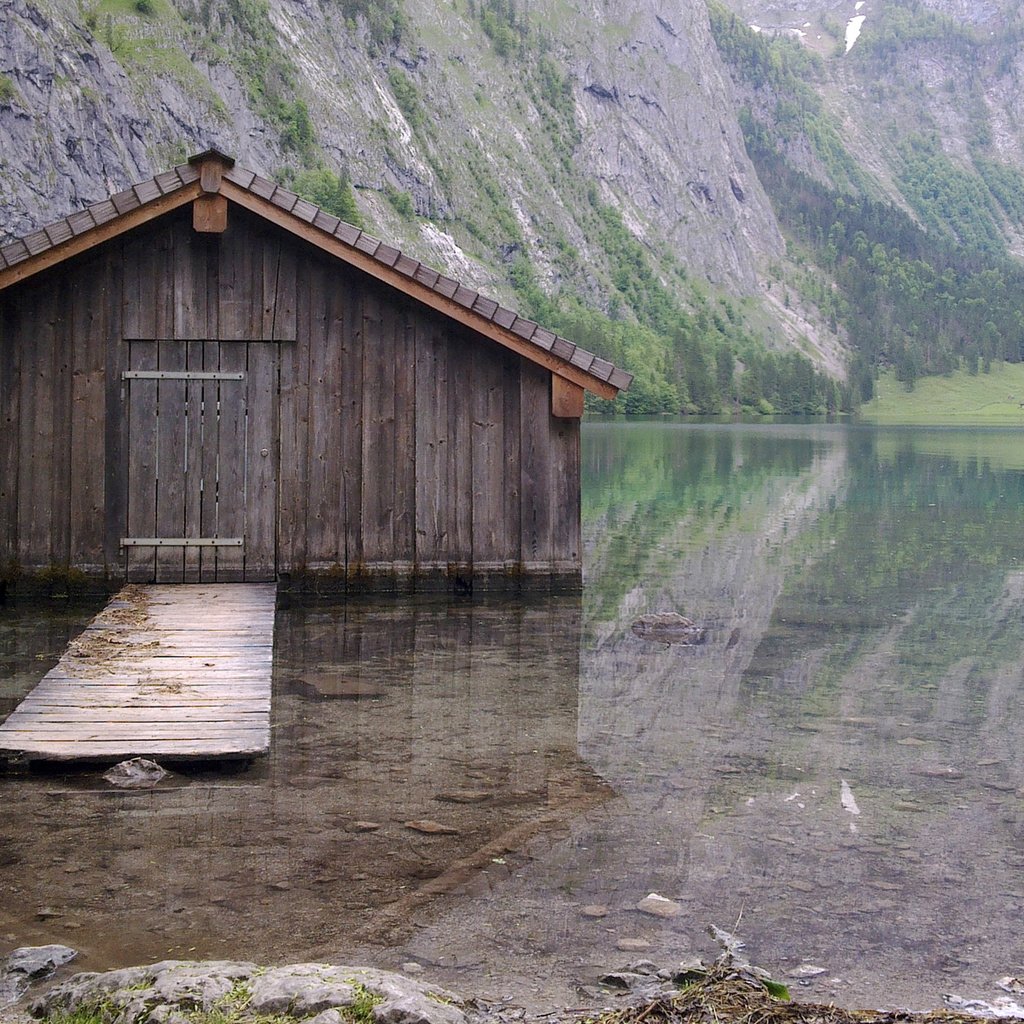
135	773
27	963
669	628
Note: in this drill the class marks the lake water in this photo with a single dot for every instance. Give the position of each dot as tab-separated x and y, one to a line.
835	775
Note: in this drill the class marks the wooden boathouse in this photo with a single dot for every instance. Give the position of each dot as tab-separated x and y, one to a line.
205	378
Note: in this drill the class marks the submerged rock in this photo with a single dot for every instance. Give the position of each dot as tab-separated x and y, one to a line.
669	628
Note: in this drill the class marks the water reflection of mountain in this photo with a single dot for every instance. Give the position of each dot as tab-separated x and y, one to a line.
809	554
877	596
708	530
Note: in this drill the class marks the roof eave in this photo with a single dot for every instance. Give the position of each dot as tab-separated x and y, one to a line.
95	228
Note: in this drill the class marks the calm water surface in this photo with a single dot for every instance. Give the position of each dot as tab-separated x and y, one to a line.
836	775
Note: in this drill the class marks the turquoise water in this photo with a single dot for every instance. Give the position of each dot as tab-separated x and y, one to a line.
835	775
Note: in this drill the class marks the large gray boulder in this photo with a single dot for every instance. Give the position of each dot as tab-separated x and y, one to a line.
167	992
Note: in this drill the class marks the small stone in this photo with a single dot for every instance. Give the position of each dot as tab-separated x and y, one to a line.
280	886
806	971
412	967
643	967
622	980
431	828
47	913
594	910
465	796
630	945
365	826
658	906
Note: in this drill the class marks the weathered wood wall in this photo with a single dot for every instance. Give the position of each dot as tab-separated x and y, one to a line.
404	445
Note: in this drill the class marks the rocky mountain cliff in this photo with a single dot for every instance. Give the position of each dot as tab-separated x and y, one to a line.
500	126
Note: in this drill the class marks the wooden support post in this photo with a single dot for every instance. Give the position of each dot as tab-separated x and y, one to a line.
210	214
566	398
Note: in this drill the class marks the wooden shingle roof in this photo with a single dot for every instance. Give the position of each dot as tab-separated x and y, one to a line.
212	172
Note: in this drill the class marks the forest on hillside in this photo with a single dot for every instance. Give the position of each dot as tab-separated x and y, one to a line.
920	292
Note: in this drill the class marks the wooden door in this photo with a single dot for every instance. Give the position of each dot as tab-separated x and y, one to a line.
202	461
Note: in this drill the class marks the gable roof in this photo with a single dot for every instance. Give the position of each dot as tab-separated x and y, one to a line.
212	173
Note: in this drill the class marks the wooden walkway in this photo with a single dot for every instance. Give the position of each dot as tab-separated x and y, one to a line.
174	672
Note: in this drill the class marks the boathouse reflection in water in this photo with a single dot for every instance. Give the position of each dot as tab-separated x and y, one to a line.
457	716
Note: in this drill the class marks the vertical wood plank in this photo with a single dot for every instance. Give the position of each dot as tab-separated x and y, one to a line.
190	284
141	291
351	449
208	419
279	288
404	376
149	287
116	417
170	463
565	494
536	466
88	404
511	514
170	412
488	407
432	448
261	443
132	253
192	496
324	327
240	308
206	462
60	428
240	297
11	345
142	461
35	513
231	464
378	427
196	319
459	508
294	438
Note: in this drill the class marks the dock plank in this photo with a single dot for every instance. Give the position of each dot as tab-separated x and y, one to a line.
180	672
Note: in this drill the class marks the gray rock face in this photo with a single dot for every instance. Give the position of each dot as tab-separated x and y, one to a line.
166	992
94	105
660	129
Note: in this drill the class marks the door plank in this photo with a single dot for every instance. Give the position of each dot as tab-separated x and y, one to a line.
170	495
262	432
142	461
87	411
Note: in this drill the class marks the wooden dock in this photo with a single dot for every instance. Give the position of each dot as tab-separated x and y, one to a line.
177	672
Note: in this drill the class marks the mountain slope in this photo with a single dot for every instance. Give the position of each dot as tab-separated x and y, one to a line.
494	142
735	215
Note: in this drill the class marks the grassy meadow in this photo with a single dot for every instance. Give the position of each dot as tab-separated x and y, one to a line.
986	399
